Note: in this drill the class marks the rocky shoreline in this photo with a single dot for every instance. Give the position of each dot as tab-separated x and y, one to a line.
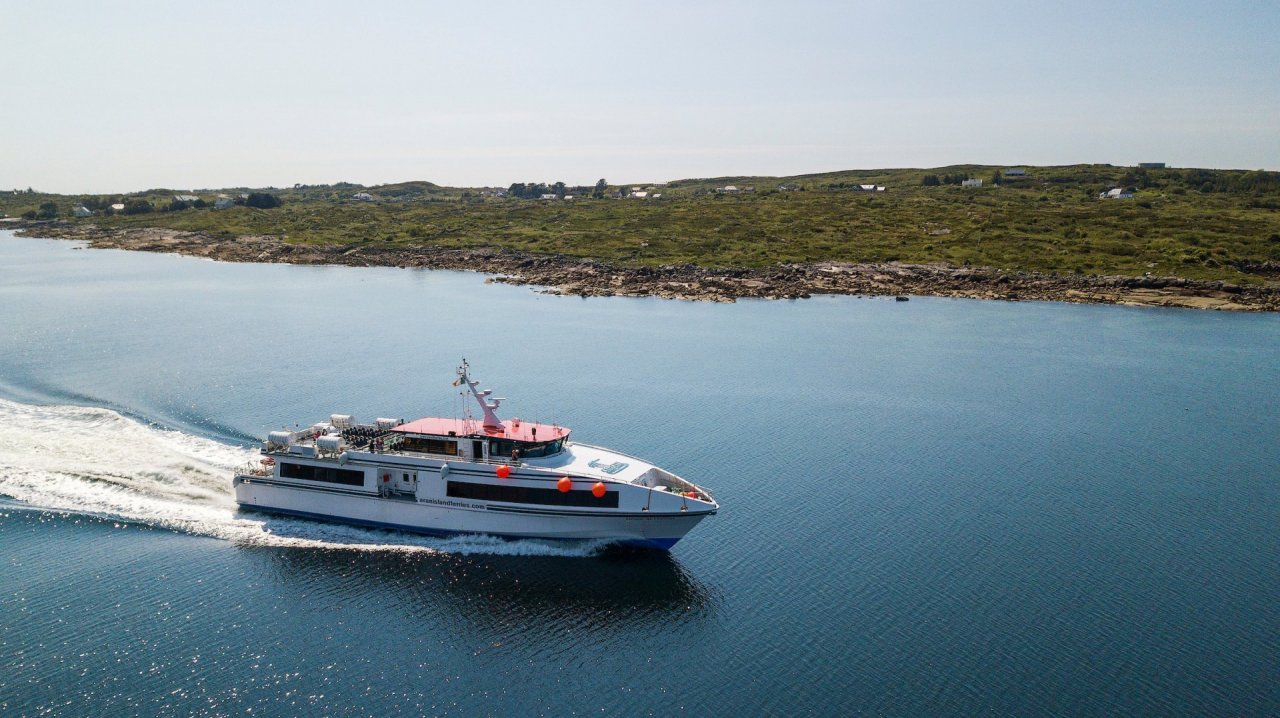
589	278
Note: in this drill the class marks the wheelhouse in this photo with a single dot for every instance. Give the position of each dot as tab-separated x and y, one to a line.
514	439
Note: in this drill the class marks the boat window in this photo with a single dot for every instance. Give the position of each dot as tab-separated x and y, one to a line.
322	473
500	448
533	451
429	446
527	495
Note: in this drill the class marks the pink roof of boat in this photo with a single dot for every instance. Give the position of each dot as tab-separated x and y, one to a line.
524	431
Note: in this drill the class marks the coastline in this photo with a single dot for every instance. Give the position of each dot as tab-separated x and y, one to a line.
589	278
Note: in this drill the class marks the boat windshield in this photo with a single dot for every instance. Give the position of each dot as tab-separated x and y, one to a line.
527	449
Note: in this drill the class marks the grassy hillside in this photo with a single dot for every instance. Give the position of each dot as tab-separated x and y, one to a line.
1192	223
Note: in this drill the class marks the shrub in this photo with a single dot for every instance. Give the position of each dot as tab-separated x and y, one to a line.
262	200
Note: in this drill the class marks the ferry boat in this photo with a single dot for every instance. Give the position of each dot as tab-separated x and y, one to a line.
448	476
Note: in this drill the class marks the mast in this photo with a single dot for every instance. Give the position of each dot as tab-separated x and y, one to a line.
491	420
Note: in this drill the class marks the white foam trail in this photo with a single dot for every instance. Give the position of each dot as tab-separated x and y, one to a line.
99	462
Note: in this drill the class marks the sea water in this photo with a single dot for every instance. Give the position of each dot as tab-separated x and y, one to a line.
937	507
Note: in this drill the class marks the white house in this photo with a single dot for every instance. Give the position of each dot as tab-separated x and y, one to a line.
1116	193
185	197
971	183
639	194
729	189
82	211
549	196
362	196
117	207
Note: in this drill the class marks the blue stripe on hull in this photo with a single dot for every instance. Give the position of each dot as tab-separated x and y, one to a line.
661	544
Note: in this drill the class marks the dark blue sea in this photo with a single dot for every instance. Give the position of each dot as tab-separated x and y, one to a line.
930	508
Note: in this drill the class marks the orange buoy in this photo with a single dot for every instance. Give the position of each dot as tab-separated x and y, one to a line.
503	471
564	484
691	494
598	490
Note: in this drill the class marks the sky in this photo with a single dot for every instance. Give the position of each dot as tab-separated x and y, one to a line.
124	96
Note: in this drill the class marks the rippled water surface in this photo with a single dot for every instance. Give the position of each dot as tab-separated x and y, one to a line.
937	507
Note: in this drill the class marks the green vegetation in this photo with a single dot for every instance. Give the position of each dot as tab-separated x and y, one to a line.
262	200
1202	224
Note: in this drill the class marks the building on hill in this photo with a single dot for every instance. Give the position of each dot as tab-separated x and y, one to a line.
82	211
1151	165
224	203
971	182
788	187
362	197
550	195
1015	172
1116	193
185	198
117	207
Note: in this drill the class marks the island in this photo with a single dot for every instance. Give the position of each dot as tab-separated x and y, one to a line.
1145	235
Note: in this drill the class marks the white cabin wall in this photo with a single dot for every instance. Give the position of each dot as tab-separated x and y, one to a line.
431	484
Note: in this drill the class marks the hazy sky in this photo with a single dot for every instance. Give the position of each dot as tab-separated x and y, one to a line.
112	97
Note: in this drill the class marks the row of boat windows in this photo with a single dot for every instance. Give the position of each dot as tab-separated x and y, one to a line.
498	448
322	473
526	495
463	489
429	446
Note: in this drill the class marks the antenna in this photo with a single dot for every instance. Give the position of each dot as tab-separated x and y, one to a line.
491	420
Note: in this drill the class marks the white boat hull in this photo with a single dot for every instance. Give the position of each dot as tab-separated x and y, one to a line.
447	516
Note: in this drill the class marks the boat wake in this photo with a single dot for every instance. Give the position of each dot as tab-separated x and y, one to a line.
97	462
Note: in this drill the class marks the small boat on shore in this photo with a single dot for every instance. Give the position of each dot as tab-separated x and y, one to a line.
448	476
